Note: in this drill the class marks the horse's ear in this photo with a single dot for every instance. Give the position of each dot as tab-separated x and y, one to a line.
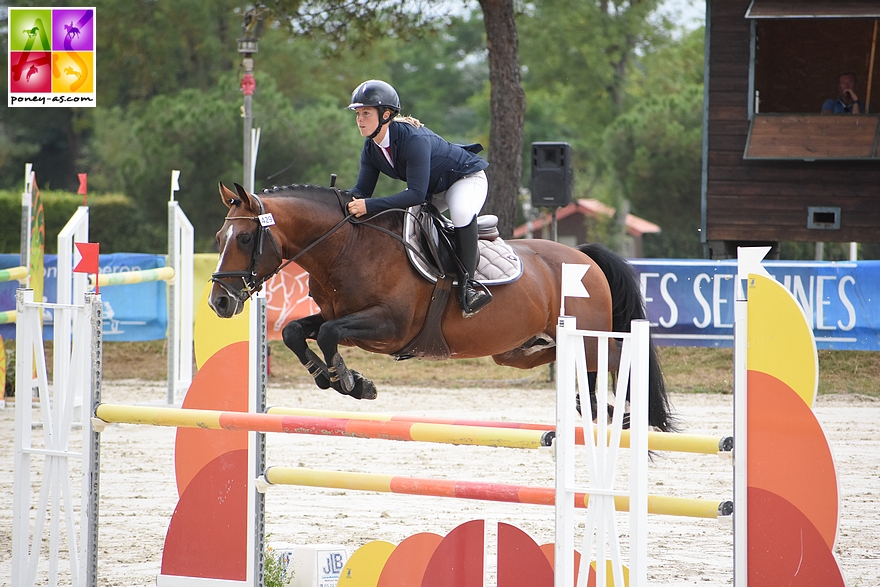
243	195
228	196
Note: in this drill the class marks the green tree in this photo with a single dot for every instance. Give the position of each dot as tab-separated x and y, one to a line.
144	49
199	133
439	74
148	48
347	23
580	59
653	156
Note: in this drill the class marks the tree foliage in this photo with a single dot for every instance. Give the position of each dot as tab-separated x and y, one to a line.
653	157
608	76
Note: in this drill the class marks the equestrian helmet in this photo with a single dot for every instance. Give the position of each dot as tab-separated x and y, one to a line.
375	93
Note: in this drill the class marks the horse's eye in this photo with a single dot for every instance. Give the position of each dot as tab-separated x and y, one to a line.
245	239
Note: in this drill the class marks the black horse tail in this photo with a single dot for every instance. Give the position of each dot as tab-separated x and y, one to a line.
628	305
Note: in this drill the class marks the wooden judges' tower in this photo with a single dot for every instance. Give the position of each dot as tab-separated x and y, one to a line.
774	169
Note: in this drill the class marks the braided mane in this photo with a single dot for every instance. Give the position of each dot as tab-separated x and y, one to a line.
309	191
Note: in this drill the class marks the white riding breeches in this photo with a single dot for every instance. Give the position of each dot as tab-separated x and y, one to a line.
464	199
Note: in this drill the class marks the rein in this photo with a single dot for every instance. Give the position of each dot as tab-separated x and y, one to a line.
251	284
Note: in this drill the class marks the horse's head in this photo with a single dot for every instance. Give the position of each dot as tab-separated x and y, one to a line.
249	253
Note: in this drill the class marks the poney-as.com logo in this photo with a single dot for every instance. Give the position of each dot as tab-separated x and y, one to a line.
51	57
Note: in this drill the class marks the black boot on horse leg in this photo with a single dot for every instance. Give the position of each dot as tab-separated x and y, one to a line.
472	295
294	336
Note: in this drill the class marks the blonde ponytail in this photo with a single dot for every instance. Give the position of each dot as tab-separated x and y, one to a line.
409	120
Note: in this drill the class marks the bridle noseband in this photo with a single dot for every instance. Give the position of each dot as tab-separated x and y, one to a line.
250	283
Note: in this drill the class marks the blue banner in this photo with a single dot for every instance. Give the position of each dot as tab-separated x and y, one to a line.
131	312
691	303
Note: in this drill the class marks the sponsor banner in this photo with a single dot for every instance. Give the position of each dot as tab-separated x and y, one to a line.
287	293
287	298
691	303
131	312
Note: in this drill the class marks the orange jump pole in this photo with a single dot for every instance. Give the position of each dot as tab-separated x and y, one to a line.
500	492
660	441
412	431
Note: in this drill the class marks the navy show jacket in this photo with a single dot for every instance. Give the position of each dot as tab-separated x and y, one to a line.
428	163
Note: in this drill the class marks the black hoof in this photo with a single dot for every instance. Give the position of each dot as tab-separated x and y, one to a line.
363	388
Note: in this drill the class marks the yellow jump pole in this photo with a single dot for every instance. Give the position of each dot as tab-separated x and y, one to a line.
405	431
132	277
13	274
499	492
659	441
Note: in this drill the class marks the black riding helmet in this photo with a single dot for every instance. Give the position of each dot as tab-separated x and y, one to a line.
379	95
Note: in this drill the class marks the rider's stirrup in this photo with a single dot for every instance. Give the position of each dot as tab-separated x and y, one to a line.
473	297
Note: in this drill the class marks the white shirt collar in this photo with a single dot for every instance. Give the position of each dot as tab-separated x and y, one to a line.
386	142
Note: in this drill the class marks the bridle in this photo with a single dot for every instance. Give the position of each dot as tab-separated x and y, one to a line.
250	283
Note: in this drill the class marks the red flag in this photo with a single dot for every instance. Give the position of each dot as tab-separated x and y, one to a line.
89	262
83	183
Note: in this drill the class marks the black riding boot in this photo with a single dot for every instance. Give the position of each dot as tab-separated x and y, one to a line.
472	295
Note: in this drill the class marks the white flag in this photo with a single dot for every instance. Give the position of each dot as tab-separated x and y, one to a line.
572	286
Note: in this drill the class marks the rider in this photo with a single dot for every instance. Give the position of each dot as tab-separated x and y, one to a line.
436	171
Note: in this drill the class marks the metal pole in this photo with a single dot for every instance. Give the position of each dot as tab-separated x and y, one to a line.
247	46
247	87
27	200
92	442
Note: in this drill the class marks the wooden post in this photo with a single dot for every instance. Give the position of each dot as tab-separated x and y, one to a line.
871	69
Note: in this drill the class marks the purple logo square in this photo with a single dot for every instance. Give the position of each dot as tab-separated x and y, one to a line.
73	29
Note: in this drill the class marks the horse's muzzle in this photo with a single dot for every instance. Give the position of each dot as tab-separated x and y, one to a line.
223	304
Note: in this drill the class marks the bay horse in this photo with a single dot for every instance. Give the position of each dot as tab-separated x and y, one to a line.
371	297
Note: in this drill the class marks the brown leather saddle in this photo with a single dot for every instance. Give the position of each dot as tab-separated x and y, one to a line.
429	248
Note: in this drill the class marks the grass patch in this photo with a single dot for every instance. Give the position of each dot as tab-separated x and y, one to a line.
697	369
689	370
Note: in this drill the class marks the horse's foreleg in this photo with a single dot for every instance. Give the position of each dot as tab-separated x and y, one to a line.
374	323
295	335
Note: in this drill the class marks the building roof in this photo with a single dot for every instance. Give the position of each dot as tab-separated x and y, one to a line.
635	226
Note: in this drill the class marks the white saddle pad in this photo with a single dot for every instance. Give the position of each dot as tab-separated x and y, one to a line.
498	263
